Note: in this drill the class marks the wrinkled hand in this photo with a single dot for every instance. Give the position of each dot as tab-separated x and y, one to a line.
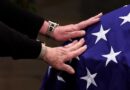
64	33
56	57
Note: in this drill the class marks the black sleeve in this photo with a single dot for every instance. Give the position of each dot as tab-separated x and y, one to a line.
19	19
17	45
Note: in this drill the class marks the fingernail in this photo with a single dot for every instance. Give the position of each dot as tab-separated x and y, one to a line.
97	19
83	32
72	71
85	46
100	14
82	39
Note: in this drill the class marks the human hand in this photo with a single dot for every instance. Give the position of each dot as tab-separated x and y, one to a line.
56	57
64	33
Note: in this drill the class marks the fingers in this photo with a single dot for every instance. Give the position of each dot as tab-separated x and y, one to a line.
57	57
71	44
68	69
89	22
75	30
98	16
76	34
77	45
77	52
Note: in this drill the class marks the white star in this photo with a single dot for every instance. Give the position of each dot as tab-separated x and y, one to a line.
101	34
125	19
111	56
90	79
60	78
78	58
49	70
125	5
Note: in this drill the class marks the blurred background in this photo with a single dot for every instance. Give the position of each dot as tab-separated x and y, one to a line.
28	74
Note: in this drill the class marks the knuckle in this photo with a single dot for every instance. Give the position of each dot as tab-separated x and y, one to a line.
77	32
71	55
67	57
71	25
80	43
74	27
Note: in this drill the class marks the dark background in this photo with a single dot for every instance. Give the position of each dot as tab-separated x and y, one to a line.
27	74
92	7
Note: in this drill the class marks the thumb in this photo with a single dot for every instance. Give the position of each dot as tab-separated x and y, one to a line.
68	69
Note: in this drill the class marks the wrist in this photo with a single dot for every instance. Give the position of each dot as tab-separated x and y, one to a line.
48	28
43	51
44	28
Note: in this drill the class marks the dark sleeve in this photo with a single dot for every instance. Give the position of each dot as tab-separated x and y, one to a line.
17	45
19	19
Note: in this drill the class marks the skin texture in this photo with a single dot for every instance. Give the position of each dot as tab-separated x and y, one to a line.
57	56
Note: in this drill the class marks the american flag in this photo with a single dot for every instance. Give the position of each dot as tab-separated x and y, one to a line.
105	65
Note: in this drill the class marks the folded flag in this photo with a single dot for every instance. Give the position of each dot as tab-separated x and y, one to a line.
105	65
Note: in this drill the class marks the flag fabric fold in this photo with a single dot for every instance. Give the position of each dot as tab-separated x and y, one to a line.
105	65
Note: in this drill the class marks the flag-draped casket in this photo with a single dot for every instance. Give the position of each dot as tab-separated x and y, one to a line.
105	65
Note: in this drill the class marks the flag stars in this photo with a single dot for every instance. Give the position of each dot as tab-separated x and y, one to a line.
49	70
125	6
101	34
111	56
90	79
60	79
125	19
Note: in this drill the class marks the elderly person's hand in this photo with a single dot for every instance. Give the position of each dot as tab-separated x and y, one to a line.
67	32
56	57
64	33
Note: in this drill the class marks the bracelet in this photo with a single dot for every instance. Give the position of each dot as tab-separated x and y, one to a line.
43	51
51	28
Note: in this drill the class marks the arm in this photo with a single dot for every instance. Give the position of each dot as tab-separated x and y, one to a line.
17	45
19	19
